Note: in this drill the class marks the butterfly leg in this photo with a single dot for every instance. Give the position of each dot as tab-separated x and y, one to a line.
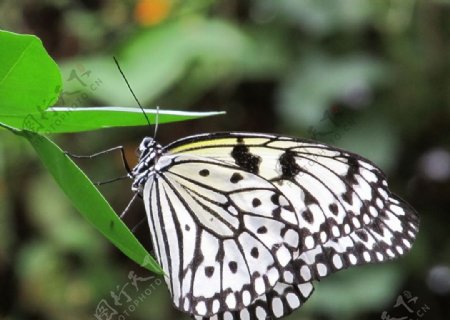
100	183
127	208
120	148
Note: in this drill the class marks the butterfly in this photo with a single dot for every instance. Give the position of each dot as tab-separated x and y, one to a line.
244	223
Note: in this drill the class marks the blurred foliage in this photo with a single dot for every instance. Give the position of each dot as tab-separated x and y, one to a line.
370	76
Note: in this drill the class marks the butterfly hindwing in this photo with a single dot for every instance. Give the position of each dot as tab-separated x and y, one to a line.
280	301
223	235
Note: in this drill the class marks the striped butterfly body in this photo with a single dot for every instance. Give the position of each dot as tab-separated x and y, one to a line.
243	223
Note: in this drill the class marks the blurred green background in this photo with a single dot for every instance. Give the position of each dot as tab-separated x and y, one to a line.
370	76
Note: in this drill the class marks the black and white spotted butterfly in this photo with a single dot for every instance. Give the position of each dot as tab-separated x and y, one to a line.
243	223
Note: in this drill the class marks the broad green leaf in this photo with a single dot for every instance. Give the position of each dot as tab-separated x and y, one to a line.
30	80
88	200
65	119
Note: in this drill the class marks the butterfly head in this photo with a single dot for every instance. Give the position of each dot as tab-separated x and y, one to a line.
149	152
146	145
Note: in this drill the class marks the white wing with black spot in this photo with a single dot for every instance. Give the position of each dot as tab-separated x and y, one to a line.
390	235
334	192
222	235
280	301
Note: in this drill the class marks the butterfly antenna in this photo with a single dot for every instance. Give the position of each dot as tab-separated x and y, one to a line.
131	90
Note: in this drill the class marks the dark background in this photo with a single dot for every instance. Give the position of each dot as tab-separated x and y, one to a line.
369	76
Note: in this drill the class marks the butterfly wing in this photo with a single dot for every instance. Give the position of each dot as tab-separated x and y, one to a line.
280	301
390	235
222	235
347	215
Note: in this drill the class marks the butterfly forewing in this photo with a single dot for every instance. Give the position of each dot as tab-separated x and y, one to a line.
242	223
334	192
390	235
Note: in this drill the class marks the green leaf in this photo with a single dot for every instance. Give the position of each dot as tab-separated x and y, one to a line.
29	79
88	200
62	119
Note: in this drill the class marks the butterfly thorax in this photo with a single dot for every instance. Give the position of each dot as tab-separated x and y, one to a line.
149	153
